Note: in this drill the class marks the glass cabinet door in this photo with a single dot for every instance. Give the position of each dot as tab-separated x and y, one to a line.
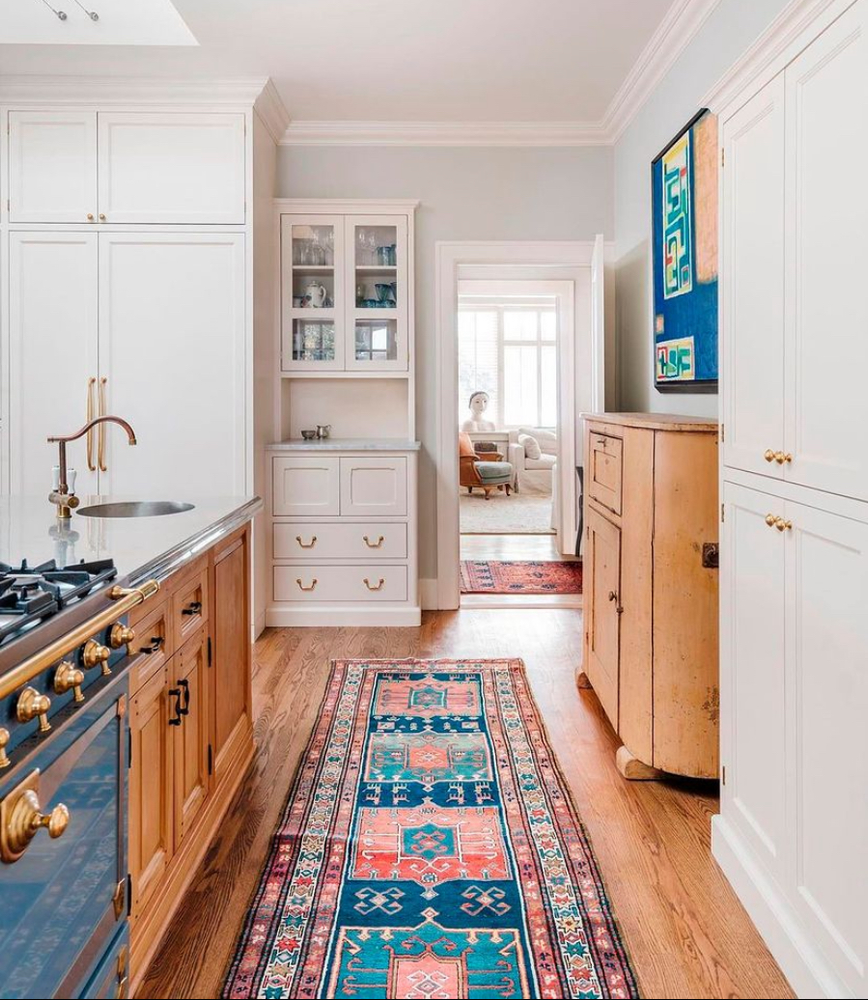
377	293
312	293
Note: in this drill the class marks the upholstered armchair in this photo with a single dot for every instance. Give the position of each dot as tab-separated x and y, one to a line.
488	476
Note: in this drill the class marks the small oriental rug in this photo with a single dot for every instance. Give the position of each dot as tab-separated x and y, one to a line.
430	850
485	577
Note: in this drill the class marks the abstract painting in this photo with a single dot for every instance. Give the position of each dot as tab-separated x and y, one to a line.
685	253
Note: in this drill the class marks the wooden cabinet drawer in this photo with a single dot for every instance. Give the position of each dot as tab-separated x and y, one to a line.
374	486
307	486
152	646
190	602
605	468
323	540
322	584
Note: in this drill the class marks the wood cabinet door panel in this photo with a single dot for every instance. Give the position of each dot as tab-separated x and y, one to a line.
188	675
605	469
603	575
151	779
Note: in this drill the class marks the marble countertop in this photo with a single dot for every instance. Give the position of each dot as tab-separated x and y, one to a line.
346	444
142	547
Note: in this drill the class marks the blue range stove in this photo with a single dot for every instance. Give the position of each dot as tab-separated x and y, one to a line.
64	656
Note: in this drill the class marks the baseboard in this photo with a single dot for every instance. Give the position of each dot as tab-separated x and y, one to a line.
807	970
257	627
428	595
320	616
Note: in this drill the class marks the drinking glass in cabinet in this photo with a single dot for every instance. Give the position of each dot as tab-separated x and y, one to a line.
376	340
313	246
376	247
373	294
313	340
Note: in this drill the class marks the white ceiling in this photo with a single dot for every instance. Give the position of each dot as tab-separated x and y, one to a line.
390	60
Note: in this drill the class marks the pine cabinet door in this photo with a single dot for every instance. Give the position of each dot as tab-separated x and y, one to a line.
603	570
151	845
188	688
52	356
171	168
827	197
827	639
172	354
52	166
752	276
753	679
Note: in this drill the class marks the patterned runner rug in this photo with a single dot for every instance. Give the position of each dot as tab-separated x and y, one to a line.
484	577
430	850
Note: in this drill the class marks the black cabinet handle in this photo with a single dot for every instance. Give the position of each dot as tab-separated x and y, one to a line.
156	645
176	720
194	608
185	688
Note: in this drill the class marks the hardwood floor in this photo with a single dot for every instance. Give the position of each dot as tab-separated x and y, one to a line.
685	930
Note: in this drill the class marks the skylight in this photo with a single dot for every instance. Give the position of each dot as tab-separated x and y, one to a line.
93	22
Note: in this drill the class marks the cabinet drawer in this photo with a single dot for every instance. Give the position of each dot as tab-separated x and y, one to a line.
190	603
322	584
605	470
152	646
374	486
323	540
306	487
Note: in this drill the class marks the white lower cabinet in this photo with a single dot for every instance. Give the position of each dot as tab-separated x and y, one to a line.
794	700
344	535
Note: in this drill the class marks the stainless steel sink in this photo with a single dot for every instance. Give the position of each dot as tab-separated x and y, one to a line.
136	508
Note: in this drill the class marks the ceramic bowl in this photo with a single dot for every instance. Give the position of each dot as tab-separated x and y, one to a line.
309	435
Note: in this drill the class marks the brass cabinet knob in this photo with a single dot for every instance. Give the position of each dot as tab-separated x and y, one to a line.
69	678
771	520
102	217
90	216
783	457
32	705
25	819
95	654
783	525
121	635
4	742
769	456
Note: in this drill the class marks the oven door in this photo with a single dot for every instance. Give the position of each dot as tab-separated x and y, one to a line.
64	899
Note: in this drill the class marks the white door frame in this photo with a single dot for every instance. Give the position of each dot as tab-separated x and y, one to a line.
450	257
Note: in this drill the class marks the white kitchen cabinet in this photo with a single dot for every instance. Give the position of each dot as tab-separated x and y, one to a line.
171	349
330	583
374	487
52	166
752	282
52	351
372	540
171	168
306	486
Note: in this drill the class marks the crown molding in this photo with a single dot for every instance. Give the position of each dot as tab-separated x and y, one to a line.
676	31
379	133
272	111
110	91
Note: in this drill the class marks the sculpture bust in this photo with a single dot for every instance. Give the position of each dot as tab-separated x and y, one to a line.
477	422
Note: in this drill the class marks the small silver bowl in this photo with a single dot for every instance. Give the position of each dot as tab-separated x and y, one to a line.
309	435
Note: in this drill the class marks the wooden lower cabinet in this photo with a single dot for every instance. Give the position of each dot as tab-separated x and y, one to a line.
651	589
191	731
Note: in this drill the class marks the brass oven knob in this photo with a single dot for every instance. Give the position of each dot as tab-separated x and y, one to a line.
95	654
32	705
4	742
26	819
69	678
121	635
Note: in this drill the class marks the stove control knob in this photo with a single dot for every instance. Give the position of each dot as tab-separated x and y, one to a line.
4	742
32	705
121	635
69	678
95	654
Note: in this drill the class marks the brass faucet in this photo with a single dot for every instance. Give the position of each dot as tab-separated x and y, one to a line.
63	497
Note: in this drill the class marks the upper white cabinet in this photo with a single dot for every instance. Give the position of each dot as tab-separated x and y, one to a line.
52	166
346	293
795	313
126	168
171	168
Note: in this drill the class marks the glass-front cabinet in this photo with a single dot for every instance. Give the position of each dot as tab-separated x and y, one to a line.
345	293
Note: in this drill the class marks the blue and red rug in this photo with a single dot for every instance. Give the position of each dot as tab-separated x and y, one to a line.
430	850
511	577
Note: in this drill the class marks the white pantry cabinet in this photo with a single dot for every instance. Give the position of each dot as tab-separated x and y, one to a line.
126	168
793	827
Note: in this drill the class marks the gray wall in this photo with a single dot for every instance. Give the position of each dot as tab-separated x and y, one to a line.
726	35
465	194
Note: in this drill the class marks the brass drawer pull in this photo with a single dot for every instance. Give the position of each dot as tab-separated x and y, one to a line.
21	818
783	525
374	545
309	545
193	608
771	520
91	465
769	456
783	458
379	586
301	586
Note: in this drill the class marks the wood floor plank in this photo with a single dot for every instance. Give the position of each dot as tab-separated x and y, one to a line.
686	932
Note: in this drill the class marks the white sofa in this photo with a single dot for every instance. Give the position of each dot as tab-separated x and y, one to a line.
533	474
